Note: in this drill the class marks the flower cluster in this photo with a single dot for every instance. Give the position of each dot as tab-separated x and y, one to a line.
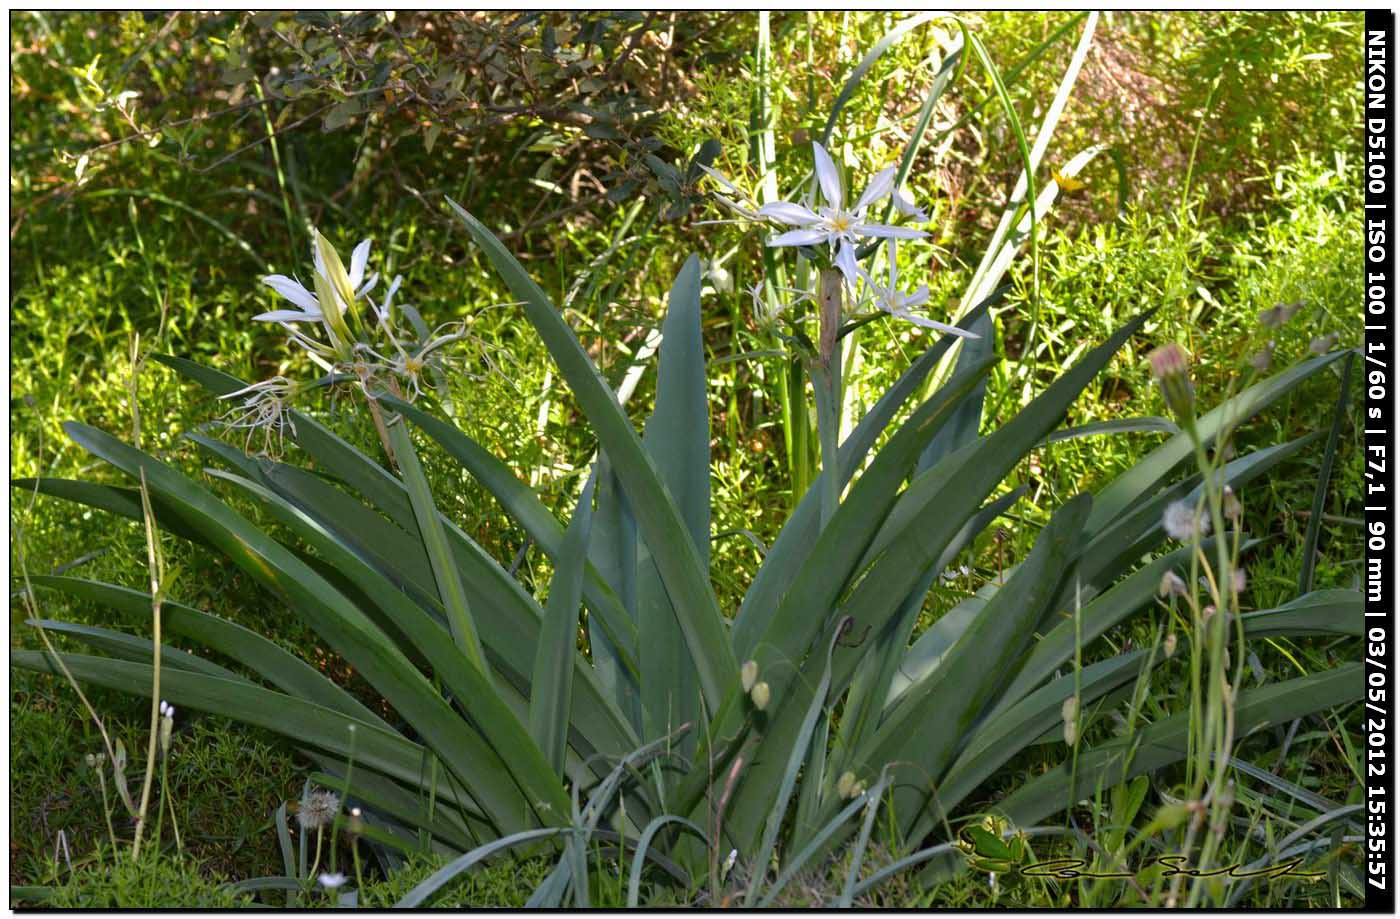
343	329
839	233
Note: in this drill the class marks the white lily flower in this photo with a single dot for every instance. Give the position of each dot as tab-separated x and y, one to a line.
333	285
331	881
836	225
898	303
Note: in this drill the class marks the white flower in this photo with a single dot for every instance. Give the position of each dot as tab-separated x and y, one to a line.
411	363
898	303
834	224
1183	523
265	407
331	881
336	291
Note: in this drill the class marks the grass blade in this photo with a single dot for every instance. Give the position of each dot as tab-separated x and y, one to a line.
1324	475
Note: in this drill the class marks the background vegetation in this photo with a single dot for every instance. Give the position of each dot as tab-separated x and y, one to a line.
161	163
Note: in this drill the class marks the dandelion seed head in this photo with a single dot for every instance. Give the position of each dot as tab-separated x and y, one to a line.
318	810
1182	523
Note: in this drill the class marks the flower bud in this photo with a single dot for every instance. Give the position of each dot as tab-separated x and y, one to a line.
1170	368
167	726
1231	505
748	675
1171	585
1169	644
760	695
845	784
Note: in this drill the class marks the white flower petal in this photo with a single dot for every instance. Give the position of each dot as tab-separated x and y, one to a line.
368	285
289	316
358	259
918	297
801	237
931	324
892	256
845	259
884	231
827	176
792	214
720	178
879	187
906	206
292	290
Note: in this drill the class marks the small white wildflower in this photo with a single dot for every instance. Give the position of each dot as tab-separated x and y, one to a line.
1261	359
760	694
1231	505
331	881
833	224
167	726
898	303
906	206
1182	523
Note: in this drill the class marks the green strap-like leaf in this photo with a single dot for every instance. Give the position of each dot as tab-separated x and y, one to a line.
525	506
552	686
507	742
798	535
677	437
662	527
265	658
928	727
1165	741
348	631
1322	612
302	721
449	579
1150	471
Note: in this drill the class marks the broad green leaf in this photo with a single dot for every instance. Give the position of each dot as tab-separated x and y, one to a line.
927	728
302	721
798	535
1164	742
677	437
525	506
121	646
504	734
1322	612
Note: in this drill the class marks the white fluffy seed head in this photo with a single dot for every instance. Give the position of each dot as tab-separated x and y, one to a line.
1182	523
